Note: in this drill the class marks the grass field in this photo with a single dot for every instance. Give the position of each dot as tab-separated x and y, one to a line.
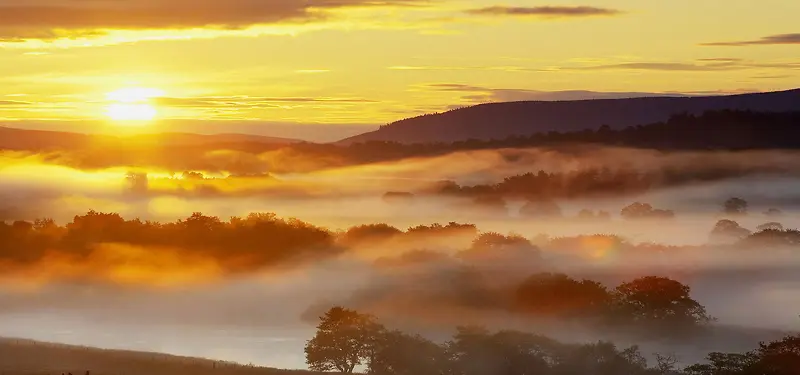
27	357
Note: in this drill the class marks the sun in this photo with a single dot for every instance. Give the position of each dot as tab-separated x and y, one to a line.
132	105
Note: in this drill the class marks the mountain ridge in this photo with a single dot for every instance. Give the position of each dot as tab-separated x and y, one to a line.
520	118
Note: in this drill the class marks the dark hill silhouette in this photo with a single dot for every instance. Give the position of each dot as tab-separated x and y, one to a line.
502	120
23	139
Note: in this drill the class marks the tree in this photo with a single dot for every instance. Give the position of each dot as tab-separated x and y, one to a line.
475	351
397	353
773	212
639	210
495	246
558	295
724	364
780	357
666	364
735	206
344	340
770	226
601	358
773	238
660	302
727	231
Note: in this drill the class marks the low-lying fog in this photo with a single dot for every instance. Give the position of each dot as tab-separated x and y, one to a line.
264	316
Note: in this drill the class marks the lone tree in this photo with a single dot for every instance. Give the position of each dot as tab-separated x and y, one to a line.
344	340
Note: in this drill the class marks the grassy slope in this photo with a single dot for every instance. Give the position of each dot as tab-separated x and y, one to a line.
26	357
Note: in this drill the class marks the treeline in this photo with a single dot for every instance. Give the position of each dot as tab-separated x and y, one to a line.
712	130
347	340
592	182
240	244
264	239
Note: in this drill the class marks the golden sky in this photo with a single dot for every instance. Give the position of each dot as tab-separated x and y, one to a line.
368	62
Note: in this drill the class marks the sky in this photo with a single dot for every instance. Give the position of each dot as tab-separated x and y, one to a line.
326	69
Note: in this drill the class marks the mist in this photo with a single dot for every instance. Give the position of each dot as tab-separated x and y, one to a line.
243	305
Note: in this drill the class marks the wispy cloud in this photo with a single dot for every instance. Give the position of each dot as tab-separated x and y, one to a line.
544	11
311	71
767	40
250	101
701	65
5	103
53	19
480	94
452	67
664	66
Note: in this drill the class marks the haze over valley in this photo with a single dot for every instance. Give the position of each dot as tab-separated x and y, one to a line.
399	187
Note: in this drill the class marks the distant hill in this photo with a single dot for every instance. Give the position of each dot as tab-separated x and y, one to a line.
502	120
35	140
26	357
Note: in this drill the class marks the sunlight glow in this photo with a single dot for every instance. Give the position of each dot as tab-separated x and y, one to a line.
134	94
132	104
131	112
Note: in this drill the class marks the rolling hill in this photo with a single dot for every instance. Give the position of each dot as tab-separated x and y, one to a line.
23	139
502	120
27	357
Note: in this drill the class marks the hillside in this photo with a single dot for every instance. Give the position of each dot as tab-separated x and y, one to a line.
26	357
502	120
23	139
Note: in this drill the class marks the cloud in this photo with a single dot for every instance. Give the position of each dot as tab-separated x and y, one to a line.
13	103
478	94
53	19
544	11
721	59
496	68
705	65
249	101
780	39
665	66
781	76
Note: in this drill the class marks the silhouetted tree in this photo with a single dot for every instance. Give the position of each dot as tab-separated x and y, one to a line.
396	353
344	340
725	364
601	358
476	351
661	303
558	295
781	357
